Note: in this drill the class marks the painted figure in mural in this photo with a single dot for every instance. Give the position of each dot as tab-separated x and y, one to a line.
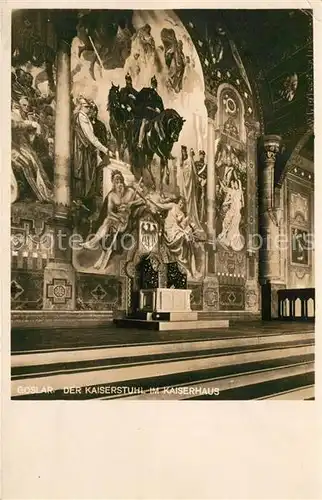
106	37
201	169
86	149
17	89
289	87
143	42
99	128
230	127
128	96
174	58
188	184
119	116
32	181
181	239
168	124
120	209
300	241
149	104
234	201
22	85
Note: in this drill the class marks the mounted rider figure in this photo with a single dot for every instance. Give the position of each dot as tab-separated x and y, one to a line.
148	106
128	96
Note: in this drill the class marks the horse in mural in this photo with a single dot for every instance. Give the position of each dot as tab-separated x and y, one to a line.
160	135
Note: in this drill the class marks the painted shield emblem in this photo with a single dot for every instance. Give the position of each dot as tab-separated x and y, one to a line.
148	235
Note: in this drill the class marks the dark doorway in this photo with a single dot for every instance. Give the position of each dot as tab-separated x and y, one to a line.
266	302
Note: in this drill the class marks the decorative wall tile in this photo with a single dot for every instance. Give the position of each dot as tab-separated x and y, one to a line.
26	290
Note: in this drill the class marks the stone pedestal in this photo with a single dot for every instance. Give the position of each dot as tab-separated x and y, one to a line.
168	300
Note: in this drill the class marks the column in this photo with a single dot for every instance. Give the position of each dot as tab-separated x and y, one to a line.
63	145
211	285
211	106
252	289
269	218
59	275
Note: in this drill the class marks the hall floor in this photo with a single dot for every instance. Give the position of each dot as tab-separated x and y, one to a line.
247	361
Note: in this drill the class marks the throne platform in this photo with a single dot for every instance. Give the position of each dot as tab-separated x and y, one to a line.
167	309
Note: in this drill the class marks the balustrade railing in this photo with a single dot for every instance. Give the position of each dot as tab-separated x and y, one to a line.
296	304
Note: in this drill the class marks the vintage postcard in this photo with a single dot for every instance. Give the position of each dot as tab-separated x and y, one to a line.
162	204
162	239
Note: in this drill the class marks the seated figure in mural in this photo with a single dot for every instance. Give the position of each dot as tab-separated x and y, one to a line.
148	105
31	179
120	209
233	203
180	236
22	85
86	152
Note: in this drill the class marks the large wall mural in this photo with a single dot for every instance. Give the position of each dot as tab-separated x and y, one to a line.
145	180
142	87
231	172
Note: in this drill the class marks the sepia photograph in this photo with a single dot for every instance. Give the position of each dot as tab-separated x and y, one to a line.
162	205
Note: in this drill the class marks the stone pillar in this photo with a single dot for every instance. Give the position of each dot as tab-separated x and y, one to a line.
63	145
252	289
211	106
211	285
59	274
269	217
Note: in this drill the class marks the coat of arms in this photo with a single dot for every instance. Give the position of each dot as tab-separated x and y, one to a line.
148	235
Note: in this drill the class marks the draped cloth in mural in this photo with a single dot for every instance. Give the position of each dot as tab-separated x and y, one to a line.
181	238
119	212
86	145
182	243
234	201
188	186
26	165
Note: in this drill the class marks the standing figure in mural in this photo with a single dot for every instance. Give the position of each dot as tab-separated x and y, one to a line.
234	201
121	207
86	149
174	58
143	43
99	128
188	184
31	180
148	105
201	168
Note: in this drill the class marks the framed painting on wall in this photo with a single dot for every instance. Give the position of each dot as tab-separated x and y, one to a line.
300	245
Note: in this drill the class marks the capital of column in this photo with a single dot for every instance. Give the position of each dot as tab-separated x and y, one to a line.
271	147
211	105
252	128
